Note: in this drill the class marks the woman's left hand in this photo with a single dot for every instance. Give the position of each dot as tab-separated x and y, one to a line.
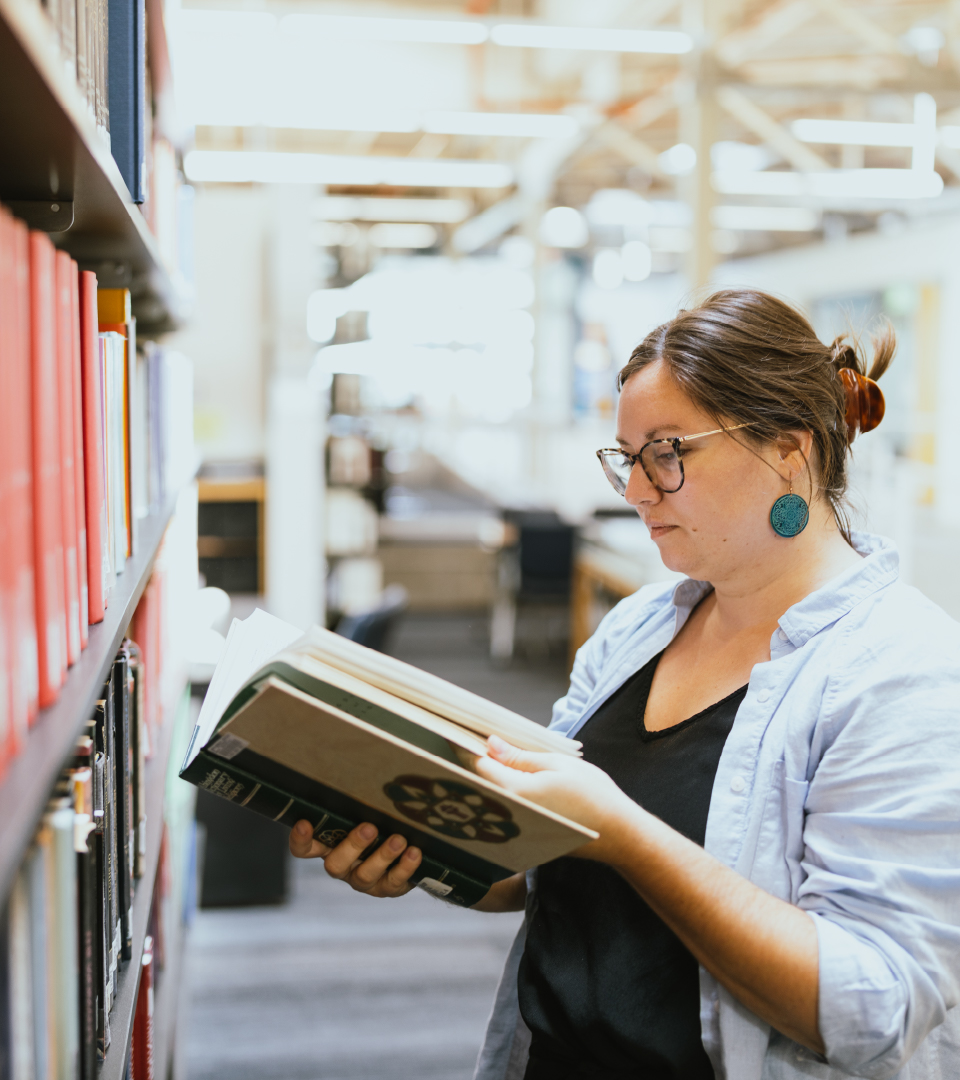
567	785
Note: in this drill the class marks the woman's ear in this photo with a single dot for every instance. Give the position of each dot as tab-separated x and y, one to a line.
793	454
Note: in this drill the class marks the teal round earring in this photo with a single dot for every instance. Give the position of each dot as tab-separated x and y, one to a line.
789	515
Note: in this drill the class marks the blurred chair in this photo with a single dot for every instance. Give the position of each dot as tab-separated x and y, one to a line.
534	574
373	628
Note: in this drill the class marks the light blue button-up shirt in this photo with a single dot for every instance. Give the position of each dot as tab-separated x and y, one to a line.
838	790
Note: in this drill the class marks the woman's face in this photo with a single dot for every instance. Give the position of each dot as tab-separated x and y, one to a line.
719	521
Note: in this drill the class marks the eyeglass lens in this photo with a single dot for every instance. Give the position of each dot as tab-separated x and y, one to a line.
660	463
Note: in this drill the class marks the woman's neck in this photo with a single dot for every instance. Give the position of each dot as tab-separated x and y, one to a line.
758	595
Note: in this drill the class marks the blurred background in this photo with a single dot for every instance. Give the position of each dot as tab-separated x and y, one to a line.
409	246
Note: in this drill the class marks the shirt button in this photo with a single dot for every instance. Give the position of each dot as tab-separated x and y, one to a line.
763	696
782	635
737	785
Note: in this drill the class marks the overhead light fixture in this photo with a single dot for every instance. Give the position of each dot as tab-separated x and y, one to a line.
369	208
371	28
679	160
766	218
591	38
405	235
564	227
883	184
522	125
853	133
269	167
920	136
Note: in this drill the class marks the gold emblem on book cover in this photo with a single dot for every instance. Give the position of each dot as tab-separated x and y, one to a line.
452	809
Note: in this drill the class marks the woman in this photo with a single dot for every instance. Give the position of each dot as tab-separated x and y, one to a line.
771	753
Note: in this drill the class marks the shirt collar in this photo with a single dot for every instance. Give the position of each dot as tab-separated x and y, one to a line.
879	567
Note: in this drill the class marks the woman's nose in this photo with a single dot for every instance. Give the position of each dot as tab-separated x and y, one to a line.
639	489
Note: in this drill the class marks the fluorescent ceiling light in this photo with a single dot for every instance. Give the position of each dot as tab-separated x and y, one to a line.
599	39
402	235
950	136
222	24
522	125
369	28
766	218
679	160
884	184
854	133
361	208
267	167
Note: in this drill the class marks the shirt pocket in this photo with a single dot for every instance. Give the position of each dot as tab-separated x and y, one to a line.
793	810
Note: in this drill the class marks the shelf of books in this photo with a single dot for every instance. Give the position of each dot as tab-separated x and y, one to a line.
98	577
85	153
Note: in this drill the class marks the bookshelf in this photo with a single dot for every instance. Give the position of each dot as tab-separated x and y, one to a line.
52	154
121	1018
26	788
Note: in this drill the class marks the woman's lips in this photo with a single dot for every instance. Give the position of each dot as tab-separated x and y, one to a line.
659	530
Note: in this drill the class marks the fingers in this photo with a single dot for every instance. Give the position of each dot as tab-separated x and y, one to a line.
343	857
385	872
302	843
521	760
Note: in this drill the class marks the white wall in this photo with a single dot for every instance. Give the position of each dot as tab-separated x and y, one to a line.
225	337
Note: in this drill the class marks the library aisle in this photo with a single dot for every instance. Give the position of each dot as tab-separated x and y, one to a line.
338	986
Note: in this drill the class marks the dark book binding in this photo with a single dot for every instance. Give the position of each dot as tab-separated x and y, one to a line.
284	795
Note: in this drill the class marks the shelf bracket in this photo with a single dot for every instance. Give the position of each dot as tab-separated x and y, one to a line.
47	215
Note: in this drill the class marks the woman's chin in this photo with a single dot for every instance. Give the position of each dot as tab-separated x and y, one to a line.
673	550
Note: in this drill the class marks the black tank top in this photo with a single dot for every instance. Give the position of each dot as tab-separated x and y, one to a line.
606	988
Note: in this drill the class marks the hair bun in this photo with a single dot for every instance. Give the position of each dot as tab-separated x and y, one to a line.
865	405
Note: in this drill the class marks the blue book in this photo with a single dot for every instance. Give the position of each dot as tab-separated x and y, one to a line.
126	90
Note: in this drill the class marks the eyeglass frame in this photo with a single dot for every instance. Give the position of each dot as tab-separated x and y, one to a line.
637	458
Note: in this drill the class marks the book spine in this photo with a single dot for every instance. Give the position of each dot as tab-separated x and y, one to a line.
230	782
68	491
92	447
47	503
124	801
21	410
76	365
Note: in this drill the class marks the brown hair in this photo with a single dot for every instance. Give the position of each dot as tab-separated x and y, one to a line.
746	357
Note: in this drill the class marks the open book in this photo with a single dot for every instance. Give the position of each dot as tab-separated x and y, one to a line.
317	727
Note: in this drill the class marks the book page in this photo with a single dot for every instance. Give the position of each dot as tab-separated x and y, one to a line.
432	693
250	644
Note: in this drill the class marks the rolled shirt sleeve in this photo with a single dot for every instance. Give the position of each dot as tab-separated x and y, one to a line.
881	857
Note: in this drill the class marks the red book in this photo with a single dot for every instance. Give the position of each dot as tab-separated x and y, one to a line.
68	480
96	506
26	686
47	495
8	433
78	463
141	1053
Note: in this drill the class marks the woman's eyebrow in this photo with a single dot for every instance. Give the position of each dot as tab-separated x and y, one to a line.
657	432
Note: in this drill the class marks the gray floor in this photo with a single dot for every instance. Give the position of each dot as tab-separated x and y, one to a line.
337	986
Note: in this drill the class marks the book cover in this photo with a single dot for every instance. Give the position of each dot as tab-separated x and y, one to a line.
79	470
68	480
8	433
22	523
93	458
298	739
125	89
47	496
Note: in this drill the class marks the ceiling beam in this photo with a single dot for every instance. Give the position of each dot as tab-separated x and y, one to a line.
776	23
628	146
762	124
873	36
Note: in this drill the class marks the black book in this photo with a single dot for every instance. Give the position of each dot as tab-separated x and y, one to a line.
88	915
104	716
123	774
138	736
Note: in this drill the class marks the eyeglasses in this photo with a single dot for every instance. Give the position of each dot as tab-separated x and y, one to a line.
662	461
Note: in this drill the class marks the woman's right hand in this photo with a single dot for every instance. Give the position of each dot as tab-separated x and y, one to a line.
385	873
